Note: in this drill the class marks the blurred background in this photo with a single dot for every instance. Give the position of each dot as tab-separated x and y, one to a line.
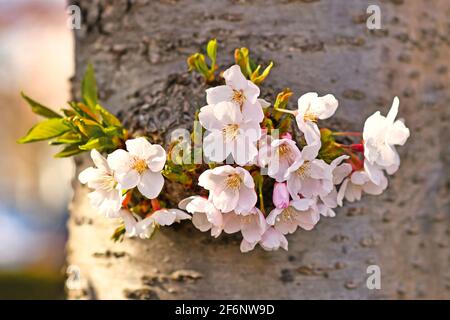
36	56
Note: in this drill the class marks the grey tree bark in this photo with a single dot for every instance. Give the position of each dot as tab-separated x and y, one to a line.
139	49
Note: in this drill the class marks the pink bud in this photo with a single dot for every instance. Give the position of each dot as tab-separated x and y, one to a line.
280	196
286	135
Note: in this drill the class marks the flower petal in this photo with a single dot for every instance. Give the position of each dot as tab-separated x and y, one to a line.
151	184
201	222
233	77
139	147
99	161
247	246
128	180
218	94
89	174
156	158
208	119
164	217
119	161
231	223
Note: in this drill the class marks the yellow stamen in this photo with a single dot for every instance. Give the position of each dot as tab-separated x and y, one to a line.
238	97
107	182
287	215
140	165
246	219
303	171
284	150
233	181
230	131
310	116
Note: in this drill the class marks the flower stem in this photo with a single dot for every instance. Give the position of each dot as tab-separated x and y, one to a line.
155	204
293	112
261	199
126	200
259	181
358	147
347	133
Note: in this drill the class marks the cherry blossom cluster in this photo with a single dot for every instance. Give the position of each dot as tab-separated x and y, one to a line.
268	170
305	186
139	166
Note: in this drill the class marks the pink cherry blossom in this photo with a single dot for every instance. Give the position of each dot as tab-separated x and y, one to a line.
300	213
272	240
251	225
280	196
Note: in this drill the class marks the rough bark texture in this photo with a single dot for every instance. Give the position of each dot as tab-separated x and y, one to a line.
139	49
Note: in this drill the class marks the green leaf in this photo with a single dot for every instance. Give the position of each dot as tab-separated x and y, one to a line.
45	130
39	109
89	128
241	58
119	233
211	50
257	78
67	138
89	88
107	116
69	151
97	143
69	113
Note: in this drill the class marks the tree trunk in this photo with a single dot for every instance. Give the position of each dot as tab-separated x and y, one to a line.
139	48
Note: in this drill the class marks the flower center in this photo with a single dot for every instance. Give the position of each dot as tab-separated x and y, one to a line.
238	97
230	131
139	165
288	215
285	152
310	116
246	219
304	169
380	142
233	181
107	182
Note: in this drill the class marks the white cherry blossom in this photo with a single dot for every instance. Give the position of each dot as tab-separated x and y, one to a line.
229	188
264	149
135	226
312	108
107	194
241	92
380	135
204	215
229	133
326	203
139	166
359	182
284	152
300	213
